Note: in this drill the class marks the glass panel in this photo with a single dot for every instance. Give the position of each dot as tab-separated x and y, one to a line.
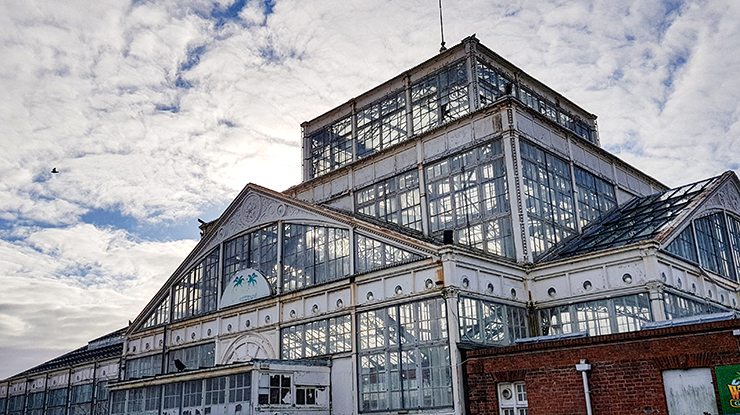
36	401
313	255
193	295
331	147
240	387
172	395
56	397
677	307
215	390
311	339
714	246
549	198
733	228
135	402
468	193
192	393
152	400
373	382
413	372
161	315
80	394
491	84
194	357
257	250
373	254
144	366
556	320
595	196
340	334
439	98
118	402
381	125
436	377
683	246
394	200
617	315
491	323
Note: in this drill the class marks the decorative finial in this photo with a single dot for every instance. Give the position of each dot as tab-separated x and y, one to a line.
441	28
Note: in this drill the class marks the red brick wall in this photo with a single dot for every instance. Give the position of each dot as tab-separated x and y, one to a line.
626	369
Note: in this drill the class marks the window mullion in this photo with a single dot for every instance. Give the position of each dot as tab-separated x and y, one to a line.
728	247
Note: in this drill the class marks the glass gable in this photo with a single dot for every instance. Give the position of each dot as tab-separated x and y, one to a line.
310	255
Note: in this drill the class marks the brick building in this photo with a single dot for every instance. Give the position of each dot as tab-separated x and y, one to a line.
630	373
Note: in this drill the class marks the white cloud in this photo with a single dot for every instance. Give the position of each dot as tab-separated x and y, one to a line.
65	286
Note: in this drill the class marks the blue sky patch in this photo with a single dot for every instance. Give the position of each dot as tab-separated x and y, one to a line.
229	14
182	83
168	108
112	218
193	57
103	218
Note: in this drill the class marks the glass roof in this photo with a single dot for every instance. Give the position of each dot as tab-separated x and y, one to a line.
641	219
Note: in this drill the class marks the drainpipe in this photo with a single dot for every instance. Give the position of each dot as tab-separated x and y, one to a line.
584	367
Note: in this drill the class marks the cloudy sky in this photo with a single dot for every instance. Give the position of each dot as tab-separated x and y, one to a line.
156	113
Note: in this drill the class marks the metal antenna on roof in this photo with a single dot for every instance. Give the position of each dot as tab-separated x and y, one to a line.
441	28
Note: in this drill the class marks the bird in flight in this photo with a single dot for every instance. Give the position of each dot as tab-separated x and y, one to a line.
54	170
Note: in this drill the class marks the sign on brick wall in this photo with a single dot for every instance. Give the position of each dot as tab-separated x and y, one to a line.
728	383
